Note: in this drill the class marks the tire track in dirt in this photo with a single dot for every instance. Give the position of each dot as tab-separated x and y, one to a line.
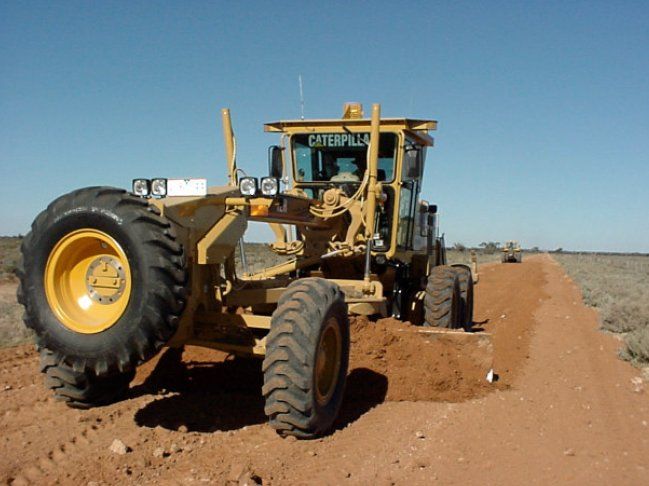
19	367
72	433
82	437
54	455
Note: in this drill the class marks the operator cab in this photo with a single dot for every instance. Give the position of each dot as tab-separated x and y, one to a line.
333	153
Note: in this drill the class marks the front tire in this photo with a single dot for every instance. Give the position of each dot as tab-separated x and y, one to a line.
307	356
103	284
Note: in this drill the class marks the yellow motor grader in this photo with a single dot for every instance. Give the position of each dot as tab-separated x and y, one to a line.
109	277
511	252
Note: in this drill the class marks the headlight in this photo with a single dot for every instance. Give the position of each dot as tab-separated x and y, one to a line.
269	186
159	187
248	186
141	187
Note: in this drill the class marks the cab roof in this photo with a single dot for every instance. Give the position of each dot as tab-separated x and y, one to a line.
417	128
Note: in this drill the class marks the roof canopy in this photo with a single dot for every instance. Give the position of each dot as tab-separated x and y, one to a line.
418	128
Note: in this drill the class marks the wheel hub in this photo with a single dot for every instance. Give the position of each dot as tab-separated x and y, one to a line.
105	280
327	364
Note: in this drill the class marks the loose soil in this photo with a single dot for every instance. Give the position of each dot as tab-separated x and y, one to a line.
416	408
400	362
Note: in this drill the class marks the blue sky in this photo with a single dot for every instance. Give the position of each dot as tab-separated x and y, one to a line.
543	107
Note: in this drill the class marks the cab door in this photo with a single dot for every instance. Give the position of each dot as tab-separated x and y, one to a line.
410	186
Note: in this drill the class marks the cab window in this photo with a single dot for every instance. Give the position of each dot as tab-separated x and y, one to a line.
340	157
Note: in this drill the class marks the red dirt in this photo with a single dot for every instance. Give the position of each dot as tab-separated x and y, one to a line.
565	409
411	366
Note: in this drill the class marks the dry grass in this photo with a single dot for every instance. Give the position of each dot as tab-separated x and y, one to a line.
258	257
9	256
12	329
618	286
455	256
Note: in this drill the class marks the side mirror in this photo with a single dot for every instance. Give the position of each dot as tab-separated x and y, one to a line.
432	219
275	165
423	218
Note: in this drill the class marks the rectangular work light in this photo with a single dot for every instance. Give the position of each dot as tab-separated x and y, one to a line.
159	187
141	187
248	186
269	186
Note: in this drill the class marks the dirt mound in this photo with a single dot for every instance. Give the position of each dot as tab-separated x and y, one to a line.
389	361
408	365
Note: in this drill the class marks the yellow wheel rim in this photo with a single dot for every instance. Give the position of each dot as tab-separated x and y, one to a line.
87	281
328	362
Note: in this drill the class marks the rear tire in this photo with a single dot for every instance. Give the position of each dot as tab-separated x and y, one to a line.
307	355
82	390
466	294
443	301
83	355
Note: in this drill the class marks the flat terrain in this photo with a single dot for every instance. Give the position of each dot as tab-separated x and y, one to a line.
618	287
565	409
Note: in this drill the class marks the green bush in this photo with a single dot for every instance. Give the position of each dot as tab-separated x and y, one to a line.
637	346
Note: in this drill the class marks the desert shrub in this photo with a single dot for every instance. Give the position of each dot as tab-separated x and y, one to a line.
618	286
637	346
9	256
12	329
625	315
258	257
490	246
13	332
455	256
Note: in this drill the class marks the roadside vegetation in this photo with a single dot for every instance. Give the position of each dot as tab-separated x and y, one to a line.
618	287
9	256
258	256
464	256
12	329
487	252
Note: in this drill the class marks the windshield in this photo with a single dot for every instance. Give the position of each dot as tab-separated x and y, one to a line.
340	157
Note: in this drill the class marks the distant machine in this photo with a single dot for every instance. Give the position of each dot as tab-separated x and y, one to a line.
512	252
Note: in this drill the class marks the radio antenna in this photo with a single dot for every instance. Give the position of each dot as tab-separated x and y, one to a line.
299	79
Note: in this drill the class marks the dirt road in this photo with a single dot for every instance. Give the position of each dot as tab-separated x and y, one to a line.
565	410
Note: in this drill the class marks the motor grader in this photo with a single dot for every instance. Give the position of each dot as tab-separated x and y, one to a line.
511	252
109	277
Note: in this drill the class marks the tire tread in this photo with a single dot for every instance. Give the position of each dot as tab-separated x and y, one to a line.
290	351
